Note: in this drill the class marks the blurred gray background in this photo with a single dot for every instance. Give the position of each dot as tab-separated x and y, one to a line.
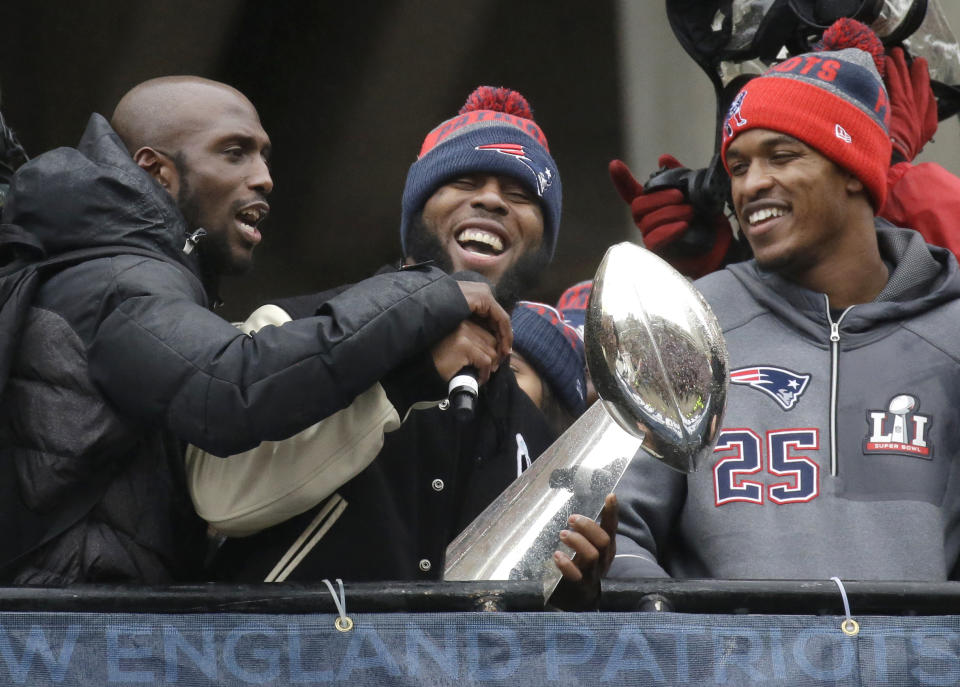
347	92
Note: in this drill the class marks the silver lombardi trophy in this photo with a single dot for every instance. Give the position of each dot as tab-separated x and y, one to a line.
658	360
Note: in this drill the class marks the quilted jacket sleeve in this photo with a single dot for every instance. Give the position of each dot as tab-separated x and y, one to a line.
164	359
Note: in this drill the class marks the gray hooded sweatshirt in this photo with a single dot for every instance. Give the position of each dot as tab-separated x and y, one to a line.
838	448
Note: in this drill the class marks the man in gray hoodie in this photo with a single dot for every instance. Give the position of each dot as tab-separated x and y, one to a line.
836	455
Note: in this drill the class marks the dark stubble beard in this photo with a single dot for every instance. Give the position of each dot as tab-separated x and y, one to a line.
789	266
516	281
216	256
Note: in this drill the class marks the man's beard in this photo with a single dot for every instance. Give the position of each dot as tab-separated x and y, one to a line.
789	265
213	249
517	280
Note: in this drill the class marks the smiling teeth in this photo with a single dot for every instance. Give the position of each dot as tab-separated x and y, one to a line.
765	213
478	236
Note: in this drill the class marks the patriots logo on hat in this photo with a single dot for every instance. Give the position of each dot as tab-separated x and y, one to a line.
784	386
734	114
515	150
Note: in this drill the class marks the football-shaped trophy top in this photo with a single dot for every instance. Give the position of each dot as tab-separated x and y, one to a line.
656	355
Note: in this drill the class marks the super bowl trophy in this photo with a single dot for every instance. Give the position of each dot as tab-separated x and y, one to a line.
657	357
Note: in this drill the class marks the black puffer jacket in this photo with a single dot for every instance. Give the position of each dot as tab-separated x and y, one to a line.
121	362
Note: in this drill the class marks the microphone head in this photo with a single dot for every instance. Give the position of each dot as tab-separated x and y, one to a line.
462	392
463	405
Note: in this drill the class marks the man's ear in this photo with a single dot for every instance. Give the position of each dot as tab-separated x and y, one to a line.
160	167
854	185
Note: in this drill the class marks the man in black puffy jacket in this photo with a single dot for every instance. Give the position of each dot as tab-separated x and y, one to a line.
121	362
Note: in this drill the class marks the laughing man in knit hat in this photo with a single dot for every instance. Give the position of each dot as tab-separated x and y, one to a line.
837	446
482	199
484	194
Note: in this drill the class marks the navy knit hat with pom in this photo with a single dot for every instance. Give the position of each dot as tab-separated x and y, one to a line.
555	351
494	133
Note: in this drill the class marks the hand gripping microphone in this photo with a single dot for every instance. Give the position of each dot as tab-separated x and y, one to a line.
462	393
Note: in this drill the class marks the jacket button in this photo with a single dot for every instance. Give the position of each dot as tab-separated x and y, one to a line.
437	485
425	565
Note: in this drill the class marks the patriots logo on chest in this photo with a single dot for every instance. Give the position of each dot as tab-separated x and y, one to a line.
899	429
782	385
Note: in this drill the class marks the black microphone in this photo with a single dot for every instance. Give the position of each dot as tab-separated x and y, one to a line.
462	393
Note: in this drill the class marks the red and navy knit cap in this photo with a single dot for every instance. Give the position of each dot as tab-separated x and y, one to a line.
833	100
494	133
573	304
554	349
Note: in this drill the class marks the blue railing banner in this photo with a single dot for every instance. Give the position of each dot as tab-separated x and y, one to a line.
527	649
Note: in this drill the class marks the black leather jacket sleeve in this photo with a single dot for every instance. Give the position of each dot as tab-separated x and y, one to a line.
162	358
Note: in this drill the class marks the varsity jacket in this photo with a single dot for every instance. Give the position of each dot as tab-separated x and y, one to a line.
121	363
838	452
430	479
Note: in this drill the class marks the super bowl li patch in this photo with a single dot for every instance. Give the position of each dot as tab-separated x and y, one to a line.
899	429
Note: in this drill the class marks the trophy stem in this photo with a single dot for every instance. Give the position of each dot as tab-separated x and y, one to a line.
515	536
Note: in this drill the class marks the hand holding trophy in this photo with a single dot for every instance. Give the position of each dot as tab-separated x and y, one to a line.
658	360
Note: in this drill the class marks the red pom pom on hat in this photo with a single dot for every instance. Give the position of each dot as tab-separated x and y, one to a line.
850	33
499	100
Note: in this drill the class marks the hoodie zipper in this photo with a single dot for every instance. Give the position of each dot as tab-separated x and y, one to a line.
834	354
